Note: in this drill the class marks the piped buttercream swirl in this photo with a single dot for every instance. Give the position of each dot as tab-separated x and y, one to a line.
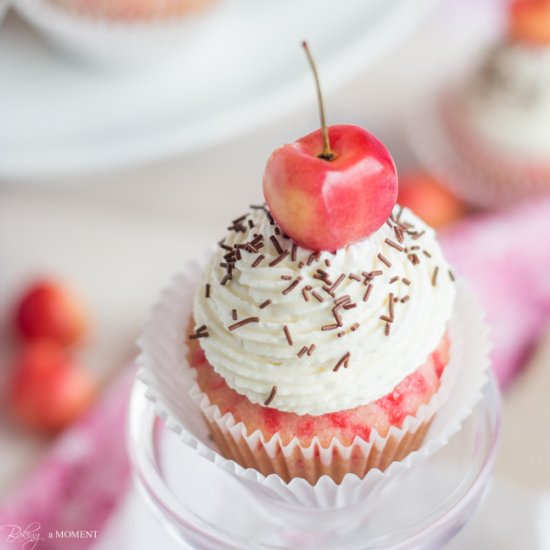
330	331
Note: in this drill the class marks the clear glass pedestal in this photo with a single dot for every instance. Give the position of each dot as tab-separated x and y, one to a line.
205	508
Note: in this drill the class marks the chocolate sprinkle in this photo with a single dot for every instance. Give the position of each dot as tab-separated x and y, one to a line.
399	234
313	256
354	277
414	259
311	349
406	281
426	253
293	251
354	327
271	396
343	361
367	293
317	296
387	329
234	314
399	214
200	332
330	327
292	286
276	244
384	260
434	276
394	244
451	275
405	299
244	322
258	260
265	304
279	258
207	290
201	335
342	300
288	336
394	279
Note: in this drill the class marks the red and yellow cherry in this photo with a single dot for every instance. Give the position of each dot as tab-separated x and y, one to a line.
326	204
50	310
332	187
430	200
530	21
48	390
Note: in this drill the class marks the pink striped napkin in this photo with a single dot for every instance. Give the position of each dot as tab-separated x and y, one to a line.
78	483
506	258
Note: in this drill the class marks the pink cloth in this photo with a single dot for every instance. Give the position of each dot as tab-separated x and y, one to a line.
78	483
506	258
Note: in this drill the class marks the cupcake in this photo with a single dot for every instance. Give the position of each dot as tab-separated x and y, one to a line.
130	10
498	119
318	337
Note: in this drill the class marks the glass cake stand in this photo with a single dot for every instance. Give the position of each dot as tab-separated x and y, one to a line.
205	508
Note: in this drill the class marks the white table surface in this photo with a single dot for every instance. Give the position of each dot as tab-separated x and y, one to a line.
119	237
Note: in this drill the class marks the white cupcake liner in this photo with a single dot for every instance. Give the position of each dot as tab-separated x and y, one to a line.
470	171
178	399
114	42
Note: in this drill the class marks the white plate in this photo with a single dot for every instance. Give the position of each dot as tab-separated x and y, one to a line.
59	115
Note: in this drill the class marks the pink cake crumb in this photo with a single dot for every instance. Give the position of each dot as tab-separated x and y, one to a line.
406	398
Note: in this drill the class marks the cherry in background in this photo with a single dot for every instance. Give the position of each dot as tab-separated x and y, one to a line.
48	390
429	199
52	311
332	187
530	21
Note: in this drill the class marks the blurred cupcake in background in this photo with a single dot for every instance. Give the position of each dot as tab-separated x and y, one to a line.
119	32
131	10
498	119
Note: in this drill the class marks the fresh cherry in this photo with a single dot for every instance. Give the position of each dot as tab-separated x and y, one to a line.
332	187
530	21
48	390
50	310
430	199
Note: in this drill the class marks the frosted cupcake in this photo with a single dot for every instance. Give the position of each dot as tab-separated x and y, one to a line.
320	321
131	10
499	118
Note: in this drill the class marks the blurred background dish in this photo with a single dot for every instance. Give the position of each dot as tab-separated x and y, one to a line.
240	70
125	34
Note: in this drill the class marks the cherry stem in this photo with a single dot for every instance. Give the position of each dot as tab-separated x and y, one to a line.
326	154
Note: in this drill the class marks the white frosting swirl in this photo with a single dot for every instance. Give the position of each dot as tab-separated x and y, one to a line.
508	100
257	356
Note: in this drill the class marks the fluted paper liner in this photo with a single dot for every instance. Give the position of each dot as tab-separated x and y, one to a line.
441	142
110	41
178	399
